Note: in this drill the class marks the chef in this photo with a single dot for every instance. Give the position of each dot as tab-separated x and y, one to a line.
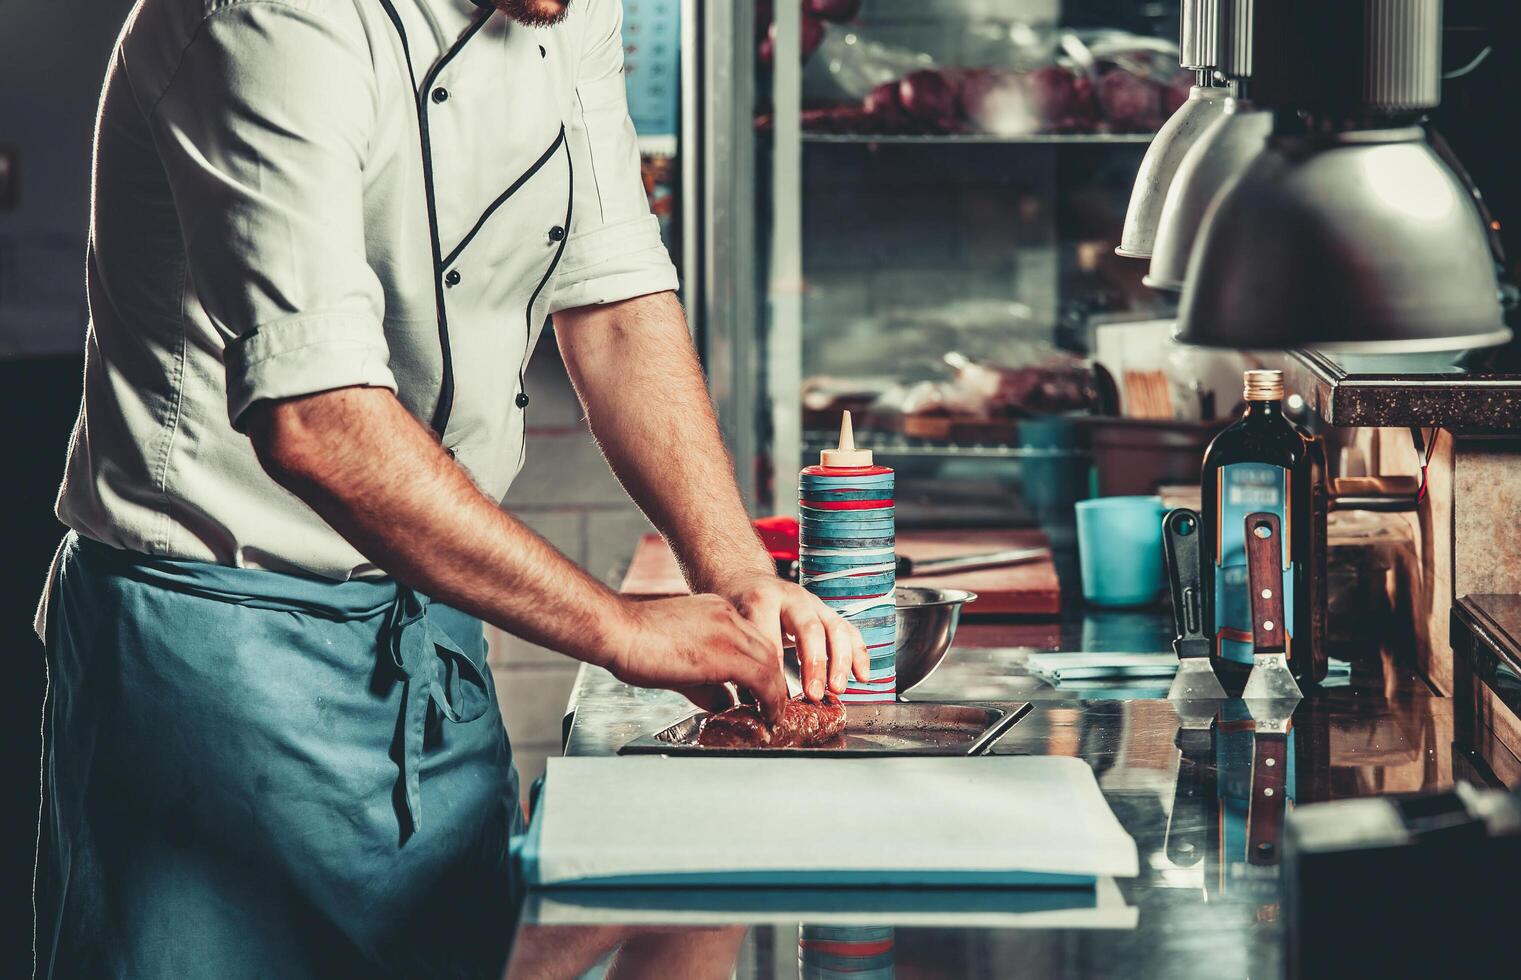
325	237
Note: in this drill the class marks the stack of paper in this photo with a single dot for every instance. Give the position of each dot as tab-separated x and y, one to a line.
989	821
1102	907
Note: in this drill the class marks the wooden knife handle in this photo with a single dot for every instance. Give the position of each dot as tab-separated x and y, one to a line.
1264	814
1264	577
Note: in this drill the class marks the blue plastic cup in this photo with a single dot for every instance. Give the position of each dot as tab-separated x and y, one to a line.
1119	543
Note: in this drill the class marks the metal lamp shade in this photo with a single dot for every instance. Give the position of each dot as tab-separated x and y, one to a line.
1163	157
1219	155
1362	242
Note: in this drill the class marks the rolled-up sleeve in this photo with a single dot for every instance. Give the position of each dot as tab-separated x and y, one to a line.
263	131
614	251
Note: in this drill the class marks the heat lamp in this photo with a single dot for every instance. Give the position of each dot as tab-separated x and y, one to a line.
1347	232
1199	36
1219	155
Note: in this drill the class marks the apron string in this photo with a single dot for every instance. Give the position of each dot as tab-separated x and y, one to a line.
433	670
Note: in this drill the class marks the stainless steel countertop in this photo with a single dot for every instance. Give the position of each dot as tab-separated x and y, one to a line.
1201	909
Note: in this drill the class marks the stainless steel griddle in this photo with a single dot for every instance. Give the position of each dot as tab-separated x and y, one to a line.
870	730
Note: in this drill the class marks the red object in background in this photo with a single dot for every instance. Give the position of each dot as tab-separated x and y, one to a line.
930	98
882	107
1056	96
779	535
1130	101
1007	101
1177	91
838	11
813	36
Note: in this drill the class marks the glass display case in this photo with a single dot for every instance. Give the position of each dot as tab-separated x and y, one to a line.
910	211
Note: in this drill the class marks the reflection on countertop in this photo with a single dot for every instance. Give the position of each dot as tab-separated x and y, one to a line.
1202	787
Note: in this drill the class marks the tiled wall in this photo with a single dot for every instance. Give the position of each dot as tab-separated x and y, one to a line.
566	493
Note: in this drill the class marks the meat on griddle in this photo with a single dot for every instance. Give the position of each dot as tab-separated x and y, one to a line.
804	724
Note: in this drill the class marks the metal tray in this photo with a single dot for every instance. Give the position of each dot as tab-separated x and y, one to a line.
902	728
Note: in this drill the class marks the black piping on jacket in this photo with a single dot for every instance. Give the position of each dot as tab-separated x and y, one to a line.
441	263
570	207
446	383
502	198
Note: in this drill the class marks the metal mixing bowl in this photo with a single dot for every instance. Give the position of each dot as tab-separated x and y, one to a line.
927	620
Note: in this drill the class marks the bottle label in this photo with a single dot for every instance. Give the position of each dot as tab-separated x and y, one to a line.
1247	488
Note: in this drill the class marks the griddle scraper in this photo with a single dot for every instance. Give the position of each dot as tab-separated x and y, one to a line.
1195	679
1270	678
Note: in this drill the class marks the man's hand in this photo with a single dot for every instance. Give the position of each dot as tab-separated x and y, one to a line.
694	645
829	649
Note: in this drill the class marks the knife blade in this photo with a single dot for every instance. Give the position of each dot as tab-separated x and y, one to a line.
967	563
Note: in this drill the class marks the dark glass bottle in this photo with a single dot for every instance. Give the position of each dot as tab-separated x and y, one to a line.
1264	462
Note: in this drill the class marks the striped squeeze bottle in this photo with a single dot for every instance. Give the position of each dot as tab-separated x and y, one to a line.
847	553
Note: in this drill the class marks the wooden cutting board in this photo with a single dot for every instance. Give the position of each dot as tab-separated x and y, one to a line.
1028	590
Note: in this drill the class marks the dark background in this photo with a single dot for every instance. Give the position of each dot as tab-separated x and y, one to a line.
52	58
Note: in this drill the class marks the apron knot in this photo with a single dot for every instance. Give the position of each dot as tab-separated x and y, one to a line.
434	671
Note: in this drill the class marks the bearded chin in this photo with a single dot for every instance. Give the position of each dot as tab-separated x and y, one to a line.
535	13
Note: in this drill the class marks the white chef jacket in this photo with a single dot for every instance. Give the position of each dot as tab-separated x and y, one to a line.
293	196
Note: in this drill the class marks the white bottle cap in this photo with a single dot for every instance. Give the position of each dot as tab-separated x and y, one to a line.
847	456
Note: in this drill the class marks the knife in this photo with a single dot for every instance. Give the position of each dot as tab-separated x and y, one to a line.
966	563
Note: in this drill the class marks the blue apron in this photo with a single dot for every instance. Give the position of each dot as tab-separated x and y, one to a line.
250	774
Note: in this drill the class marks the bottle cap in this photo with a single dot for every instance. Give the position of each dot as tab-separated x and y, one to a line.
846	455
1263	386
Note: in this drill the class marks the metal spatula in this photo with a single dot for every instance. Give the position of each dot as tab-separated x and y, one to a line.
1270	677
1194	816
1195	679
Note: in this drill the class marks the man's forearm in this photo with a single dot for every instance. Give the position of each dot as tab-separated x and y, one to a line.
380	479
637	374
638	377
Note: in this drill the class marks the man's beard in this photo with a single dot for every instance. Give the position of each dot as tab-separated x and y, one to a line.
535	13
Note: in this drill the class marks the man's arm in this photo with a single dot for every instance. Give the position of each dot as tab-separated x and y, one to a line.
373	472
639	380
